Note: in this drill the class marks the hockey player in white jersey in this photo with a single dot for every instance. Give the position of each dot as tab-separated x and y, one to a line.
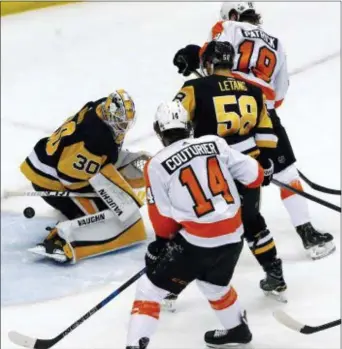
260	59
195	210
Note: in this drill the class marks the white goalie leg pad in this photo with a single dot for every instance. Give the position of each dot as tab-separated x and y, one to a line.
97	227
118	201
296	205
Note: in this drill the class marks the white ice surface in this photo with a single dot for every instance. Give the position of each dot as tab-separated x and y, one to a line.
54	60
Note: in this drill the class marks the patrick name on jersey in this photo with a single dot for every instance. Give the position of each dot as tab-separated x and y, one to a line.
185	155
260	34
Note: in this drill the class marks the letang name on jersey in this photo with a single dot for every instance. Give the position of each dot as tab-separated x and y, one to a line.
185	155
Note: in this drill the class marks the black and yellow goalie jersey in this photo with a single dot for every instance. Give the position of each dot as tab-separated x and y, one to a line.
231	108
74	153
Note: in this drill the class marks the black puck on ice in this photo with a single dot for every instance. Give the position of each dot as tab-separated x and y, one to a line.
29	212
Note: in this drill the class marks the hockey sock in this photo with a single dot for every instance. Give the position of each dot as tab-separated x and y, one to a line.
295	204
263	247
145	311
224	302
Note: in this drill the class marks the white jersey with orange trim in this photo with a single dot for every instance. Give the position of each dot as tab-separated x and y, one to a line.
259	58
191	189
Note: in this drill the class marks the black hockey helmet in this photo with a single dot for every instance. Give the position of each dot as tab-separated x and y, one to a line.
218	54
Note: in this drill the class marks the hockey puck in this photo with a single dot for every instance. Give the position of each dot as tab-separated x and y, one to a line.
29	212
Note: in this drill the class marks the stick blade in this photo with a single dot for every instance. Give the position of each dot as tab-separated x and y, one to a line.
22	340
288	321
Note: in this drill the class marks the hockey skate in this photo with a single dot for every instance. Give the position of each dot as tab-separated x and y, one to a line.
143	343
274	284
169	303
318	245
53	247
236	336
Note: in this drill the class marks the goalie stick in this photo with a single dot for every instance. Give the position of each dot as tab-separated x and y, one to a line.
58	194
295	325
319	187
30	342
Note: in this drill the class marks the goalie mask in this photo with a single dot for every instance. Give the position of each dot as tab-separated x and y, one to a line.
118	112
172	122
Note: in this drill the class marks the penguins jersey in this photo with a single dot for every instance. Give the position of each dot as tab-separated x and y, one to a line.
74	153
230	108
259	58
191	190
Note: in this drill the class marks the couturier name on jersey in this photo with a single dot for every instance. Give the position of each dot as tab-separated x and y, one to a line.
187	154
257	33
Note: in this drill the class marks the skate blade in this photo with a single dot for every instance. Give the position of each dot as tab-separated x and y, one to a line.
278	296
56	257
319	252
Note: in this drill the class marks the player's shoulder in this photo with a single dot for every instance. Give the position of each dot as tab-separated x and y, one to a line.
97	136
201	81
248	87
92	124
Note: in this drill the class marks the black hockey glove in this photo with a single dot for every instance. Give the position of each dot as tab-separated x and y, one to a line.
155	250
187	59
268	166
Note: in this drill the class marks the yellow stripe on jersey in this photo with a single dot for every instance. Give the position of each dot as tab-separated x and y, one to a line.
266	143
254	154
264	120
77	162
40	180
187	97
265	138
111	173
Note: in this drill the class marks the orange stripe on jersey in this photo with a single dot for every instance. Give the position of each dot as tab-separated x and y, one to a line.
215	229
285	193
277	104
163	226
217	29
268	92
258	180
226	301
146	308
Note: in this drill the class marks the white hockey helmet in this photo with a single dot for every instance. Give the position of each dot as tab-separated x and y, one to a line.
118	112
172	116
240	7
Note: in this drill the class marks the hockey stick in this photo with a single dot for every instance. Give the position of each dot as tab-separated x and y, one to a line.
61	194
307	196
295	325
319	187
29	342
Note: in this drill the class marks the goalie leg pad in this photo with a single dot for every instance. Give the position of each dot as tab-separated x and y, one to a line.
116	193
101	233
